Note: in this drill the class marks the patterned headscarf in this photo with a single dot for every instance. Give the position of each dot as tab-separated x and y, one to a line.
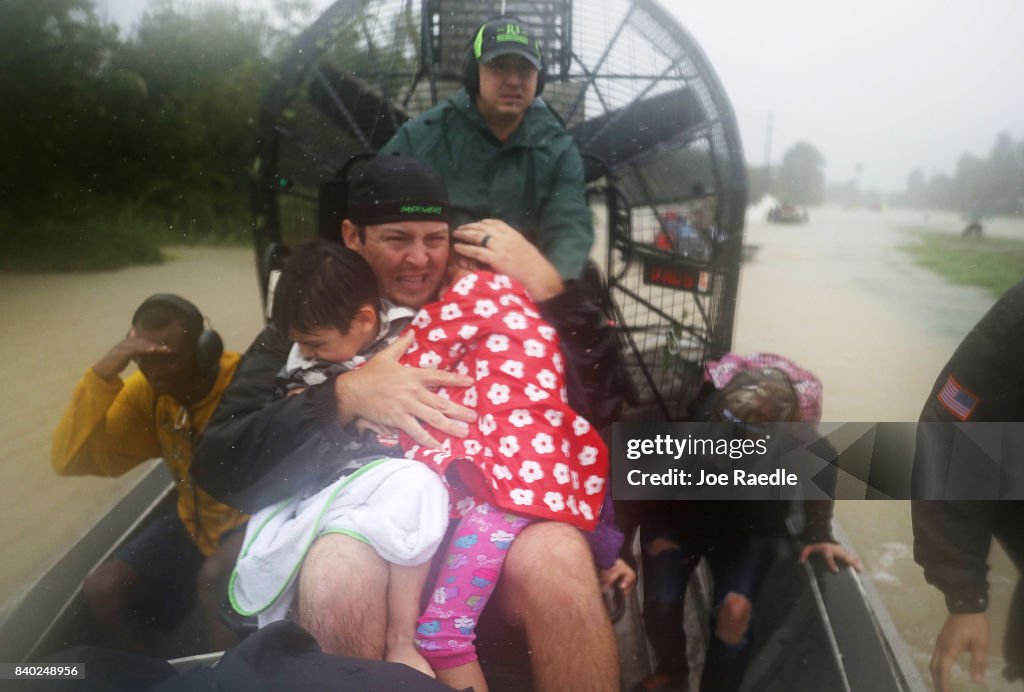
806	384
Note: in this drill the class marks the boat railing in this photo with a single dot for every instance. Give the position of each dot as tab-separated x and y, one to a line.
46	617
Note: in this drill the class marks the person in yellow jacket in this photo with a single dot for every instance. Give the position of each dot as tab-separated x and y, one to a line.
111	426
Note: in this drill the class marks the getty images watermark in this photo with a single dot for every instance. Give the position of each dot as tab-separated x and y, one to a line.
741	461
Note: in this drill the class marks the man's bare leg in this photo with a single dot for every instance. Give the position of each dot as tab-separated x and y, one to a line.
405	585
343	596
114	592
549	585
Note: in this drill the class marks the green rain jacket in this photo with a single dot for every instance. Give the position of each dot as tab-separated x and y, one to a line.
533	182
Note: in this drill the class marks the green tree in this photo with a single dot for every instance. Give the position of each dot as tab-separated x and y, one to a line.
969	184
801	179
54	83
204	75
1002	195
105	143
979	187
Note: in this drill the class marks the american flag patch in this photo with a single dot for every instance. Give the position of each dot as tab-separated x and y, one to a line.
956	399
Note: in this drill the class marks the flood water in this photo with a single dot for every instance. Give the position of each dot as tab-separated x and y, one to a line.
835	295
839	297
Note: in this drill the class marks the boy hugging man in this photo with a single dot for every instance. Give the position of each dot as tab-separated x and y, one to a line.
530	456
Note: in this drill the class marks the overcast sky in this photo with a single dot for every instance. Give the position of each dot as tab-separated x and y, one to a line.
880	85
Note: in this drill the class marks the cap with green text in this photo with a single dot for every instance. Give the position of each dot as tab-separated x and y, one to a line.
506	36
396	188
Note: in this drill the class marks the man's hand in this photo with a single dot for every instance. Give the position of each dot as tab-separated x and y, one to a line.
507	251
619	572
961	632
395	396
127	350
831	553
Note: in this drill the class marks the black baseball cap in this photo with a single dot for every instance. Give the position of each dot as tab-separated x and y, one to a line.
506	36
396	187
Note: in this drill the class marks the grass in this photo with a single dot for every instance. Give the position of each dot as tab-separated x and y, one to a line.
994	264
98	242
86	245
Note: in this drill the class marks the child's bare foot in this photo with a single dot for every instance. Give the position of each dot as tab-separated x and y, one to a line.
406	653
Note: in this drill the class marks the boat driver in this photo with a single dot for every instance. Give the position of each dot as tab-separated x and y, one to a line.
502	152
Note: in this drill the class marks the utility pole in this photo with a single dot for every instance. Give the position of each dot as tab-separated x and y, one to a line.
768	187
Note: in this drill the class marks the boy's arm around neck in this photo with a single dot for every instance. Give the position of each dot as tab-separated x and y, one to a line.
250	456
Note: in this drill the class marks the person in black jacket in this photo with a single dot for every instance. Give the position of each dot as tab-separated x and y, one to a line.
252	454
982	382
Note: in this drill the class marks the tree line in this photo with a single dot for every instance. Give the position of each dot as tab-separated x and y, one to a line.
991	186
799	179
111	142
979	187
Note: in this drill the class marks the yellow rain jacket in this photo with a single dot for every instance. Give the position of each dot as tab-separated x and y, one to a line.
112	427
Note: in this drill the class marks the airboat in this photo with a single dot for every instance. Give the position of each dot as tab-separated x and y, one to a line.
659	141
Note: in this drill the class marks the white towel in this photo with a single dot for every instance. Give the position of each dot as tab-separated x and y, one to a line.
398	506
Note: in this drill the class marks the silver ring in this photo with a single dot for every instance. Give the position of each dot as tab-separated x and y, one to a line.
487	239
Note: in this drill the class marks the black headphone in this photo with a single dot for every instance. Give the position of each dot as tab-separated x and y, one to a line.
471	69
209	346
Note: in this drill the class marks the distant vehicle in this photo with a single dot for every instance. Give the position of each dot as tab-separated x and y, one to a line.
680	235
787	213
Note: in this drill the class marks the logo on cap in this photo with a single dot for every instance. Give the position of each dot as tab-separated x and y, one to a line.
513	32
494	32
418	209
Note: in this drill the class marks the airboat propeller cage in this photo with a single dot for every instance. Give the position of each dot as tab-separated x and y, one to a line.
652	121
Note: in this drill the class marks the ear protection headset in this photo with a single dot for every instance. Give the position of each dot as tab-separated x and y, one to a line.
209	346
470	63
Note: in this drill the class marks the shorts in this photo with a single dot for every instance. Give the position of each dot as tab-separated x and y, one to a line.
169	562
